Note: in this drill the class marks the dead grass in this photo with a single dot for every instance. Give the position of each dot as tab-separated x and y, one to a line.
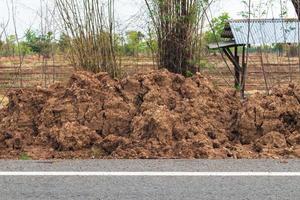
4	102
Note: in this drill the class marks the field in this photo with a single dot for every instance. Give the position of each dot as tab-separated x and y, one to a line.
33	71
36	72
278	71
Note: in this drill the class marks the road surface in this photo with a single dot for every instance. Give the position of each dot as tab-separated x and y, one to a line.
139	179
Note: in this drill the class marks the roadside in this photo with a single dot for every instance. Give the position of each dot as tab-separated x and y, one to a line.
153	187
229	165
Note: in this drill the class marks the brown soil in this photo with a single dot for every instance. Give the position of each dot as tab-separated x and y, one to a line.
153	115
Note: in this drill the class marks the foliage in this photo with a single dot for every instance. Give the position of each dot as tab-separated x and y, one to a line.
189	74
64	43
39	44
9	47
134	43
152	45
217	28
24	156
32	44
23	48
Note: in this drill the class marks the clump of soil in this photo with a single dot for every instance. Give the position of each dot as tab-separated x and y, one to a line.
271	123
153	115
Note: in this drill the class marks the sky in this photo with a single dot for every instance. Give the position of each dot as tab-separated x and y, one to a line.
130	14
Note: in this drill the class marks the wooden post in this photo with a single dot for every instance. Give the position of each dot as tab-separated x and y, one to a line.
244	70
234	58
237	68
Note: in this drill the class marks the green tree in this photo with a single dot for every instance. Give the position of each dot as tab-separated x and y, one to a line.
176	25
64	43
9	47
134	42
217	28
31	40
39	44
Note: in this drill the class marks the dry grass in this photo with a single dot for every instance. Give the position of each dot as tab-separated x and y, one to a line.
4	102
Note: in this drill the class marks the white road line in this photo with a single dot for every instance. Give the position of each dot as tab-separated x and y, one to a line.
156	174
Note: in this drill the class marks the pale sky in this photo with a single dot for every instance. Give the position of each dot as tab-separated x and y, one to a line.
130	14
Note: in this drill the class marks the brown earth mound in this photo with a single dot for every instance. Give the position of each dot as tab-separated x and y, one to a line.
271	123
154	115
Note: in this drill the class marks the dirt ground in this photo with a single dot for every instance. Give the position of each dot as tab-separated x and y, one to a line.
152	115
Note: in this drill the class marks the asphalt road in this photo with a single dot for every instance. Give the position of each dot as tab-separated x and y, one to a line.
150	187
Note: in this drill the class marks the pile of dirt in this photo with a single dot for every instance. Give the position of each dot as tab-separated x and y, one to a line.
270	124
153	115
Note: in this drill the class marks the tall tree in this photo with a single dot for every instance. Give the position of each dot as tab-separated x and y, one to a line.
176	24
90	26
134	39
217	28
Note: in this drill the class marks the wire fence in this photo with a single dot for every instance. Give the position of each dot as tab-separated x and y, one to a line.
34	72
277	71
